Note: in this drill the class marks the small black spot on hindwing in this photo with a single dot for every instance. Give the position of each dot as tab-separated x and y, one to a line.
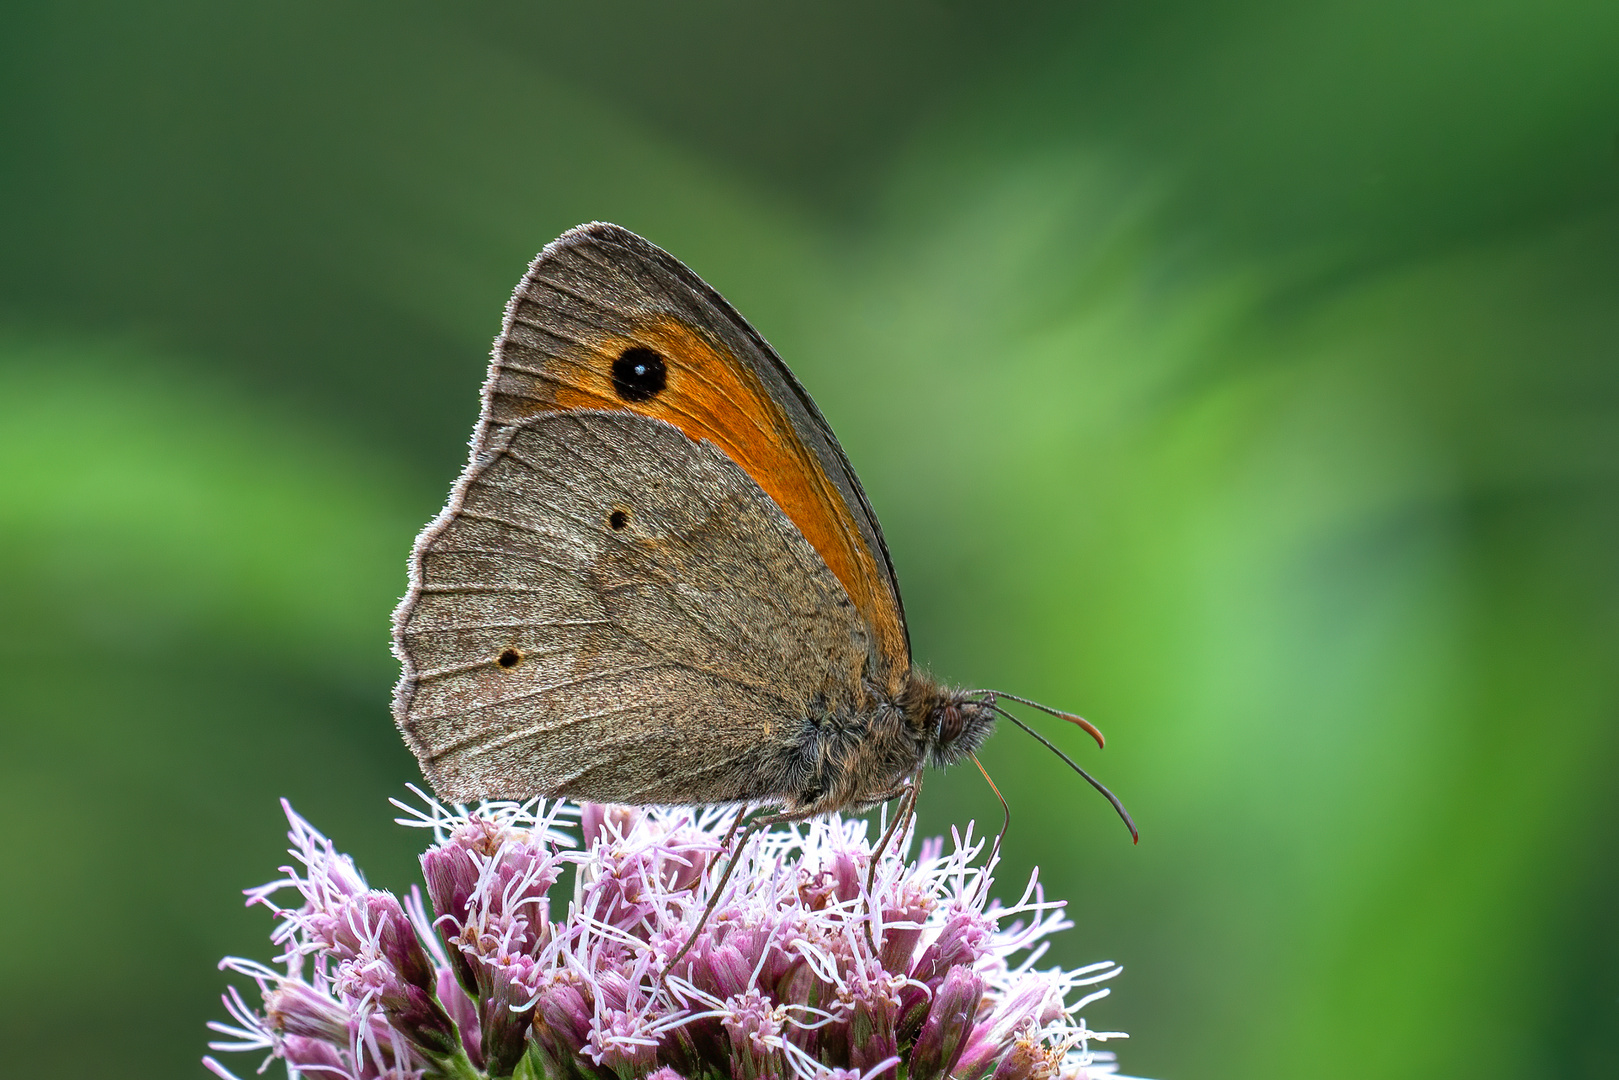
509	658
618	520
639	374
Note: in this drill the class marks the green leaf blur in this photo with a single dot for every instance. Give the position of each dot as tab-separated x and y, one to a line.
1242	375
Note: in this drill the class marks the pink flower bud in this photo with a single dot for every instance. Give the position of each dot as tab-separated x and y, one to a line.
949	1024
964	938
295	1008
904	918
314	1057
509	987
599	820
728	972
562	1018
451	877
409	1010
619	1041
464	1012
847	874
754	1030
392	934
873	1024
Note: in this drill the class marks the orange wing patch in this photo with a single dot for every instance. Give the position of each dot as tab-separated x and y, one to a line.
708	394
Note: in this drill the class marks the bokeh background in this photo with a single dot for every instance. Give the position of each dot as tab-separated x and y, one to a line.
1242	374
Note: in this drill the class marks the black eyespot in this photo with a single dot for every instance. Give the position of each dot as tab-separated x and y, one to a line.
639	374
618	520
509	658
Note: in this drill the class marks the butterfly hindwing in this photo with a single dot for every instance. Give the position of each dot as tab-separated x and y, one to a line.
609	610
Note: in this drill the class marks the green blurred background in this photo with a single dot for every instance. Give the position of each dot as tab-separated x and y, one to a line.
1244	375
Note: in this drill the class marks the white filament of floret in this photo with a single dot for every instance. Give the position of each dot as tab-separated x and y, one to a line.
416	908
248	1033
540	817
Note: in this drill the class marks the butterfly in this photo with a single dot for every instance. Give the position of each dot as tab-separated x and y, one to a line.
658	579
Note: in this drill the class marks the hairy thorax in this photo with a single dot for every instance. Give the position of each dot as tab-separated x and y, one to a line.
855	756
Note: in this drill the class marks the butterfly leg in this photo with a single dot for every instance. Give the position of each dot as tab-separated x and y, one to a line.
719	890
906	810
742	812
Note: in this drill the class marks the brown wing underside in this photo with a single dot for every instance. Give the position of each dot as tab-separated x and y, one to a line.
665	627
600	290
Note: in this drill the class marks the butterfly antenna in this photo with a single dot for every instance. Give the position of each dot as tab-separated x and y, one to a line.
742	812
1124	814
1090	728
1005	809
906	810
719	890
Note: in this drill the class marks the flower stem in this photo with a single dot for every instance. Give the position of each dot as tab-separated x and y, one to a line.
457	1065
529	1067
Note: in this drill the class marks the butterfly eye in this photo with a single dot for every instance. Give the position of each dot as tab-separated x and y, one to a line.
509	658
618	520
639	374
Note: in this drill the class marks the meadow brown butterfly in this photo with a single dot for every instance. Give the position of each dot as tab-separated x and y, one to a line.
658	579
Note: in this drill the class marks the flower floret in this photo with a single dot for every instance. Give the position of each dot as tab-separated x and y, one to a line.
818	961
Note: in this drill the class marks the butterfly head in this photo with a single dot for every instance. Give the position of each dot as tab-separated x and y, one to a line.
956	725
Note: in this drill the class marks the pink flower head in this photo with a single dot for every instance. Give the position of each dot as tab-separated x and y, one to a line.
813	965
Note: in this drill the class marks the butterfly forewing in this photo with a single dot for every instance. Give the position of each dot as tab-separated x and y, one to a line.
600	294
